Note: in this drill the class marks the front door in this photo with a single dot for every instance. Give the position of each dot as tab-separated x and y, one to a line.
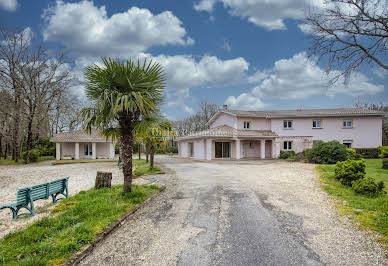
88	150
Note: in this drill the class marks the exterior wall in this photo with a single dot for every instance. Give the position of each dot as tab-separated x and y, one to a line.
103	150
224	119
299	144
255	123
199	149
250	152
366	131
68	148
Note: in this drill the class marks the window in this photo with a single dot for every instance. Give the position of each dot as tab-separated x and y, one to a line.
287	145
347	123
251	145
348	143
317	123
247	124
222	150
287	124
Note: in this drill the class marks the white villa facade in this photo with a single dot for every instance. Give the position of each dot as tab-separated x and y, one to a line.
238	134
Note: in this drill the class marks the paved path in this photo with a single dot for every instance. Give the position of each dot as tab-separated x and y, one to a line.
238	213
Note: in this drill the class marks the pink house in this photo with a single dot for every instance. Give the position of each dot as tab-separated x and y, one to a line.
78	145
241	134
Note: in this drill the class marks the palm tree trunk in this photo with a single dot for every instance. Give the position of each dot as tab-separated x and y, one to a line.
126	145
139	146
152	154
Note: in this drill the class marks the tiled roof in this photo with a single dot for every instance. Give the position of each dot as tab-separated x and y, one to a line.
226	131
305	112
79	136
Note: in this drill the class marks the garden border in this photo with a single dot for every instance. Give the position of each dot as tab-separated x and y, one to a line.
87	249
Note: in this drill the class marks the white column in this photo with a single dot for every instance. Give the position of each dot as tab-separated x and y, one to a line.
111	151
209	149
262	149
93	150
76	151
273	154
238	151
277	149
58	151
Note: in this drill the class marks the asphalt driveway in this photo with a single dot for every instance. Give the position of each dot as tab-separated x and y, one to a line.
238	213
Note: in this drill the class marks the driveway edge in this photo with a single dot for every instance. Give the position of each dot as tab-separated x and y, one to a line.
87	249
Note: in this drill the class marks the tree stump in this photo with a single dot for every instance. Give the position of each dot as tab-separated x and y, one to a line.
103	179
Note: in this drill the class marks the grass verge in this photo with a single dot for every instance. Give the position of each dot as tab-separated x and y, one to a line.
143	168
370	213
82	161
52	240
21	161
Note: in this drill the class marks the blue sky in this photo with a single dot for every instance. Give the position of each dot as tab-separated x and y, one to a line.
248	54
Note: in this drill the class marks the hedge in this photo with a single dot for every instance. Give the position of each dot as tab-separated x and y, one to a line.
368	153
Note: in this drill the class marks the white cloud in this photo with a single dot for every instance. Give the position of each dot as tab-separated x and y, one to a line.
9	5
300	77
245	101
86	29
267	14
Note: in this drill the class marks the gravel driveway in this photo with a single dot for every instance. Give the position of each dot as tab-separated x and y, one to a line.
13	177
238	213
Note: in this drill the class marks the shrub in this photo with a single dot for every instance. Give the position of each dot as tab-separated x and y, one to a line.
329	152
383	151
367	186
385	163
164	150
287	155
34	155
300	156
353	155
308	154
368	153
350	170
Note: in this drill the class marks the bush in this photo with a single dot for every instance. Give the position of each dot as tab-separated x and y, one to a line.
308	154
300	156
350	170
34	155
287	155
353	155
367	186
368	153
385	163
45	147
164	150
329	152
383	151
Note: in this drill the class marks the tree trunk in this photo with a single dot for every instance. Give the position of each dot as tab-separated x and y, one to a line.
126	145
29	141
103	179
152	153
6	151
1	146
147	151
16	124
139	149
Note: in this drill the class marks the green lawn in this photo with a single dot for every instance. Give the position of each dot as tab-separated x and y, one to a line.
53	240
371	213
21	161
143	168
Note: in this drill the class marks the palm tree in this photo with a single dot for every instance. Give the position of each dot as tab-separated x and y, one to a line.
121	93
153	130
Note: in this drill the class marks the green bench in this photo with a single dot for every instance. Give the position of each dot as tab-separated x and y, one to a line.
25	197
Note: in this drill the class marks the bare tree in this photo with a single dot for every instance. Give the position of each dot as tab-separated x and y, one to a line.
197	122
350	33
13	48
43	79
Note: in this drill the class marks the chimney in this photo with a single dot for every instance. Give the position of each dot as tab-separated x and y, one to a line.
225	107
